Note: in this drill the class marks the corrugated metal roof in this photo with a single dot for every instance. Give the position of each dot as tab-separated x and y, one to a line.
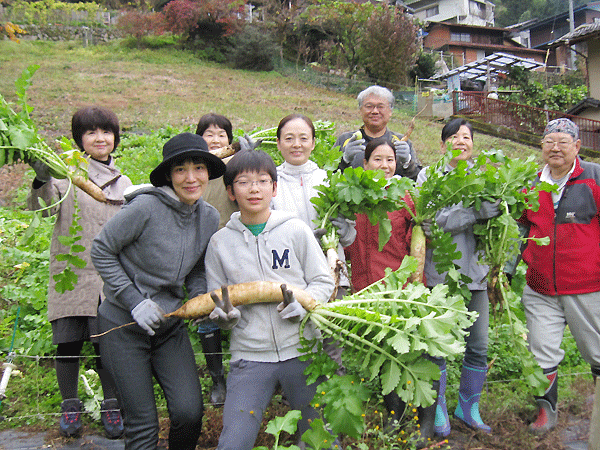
496	62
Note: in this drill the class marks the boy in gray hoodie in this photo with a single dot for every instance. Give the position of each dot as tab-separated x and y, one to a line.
260	244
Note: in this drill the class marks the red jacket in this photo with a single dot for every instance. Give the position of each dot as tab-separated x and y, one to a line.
367	262
570	264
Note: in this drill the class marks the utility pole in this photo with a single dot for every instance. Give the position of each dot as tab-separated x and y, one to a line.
571	29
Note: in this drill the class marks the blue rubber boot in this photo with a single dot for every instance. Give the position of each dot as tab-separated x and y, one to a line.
471	383
442	422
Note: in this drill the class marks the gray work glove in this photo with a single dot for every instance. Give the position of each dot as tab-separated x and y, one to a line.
247	143
353	148
487	210
289	308
426	227
225	315
346	230
403	155
319	233
42	171
148	315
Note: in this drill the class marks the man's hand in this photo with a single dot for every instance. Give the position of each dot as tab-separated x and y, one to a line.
225	315
289	308
148	315
352	148
488	210
402	149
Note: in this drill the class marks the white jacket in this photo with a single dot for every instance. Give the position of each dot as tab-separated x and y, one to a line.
295	187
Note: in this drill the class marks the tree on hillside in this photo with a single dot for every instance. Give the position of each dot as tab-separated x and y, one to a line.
343	24
204	19
388	47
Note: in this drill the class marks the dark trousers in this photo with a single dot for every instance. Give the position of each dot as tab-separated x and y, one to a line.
134	358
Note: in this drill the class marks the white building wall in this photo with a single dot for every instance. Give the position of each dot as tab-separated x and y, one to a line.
457	9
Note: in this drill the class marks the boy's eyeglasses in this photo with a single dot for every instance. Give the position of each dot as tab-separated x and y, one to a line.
563	145
246	184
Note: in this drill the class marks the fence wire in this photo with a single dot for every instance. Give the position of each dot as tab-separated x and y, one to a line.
38	414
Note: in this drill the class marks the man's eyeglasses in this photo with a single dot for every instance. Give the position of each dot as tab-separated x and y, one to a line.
371	106
562	145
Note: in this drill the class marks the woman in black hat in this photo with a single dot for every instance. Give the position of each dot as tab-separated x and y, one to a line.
150	255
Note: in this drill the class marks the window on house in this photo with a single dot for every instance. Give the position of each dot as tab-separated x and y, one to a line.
433	11
460	37
477	9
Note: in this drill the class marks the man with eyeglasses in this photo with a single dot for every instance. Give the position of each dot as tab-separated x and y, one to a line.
375	105
563	278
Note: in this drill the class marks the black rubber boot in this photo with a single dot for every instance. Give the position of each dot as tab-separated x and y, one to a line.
213	353
426	416
395	407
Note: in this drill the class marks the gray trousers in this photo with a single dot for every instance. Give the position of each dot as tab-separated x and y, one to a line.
133	359
547	316
477	339
250	386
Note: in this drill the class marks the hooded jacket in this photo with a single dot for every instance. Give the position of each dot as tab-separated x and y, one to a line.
287	252
151	249
458	221
570	264
83	299
295	187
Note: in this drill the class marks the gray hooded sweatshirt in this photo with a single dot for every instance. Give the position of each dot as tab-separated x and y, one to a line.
286	251
151	249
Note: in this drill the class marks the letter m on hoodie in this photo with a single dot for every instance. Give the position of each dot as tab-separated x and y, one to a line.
283	261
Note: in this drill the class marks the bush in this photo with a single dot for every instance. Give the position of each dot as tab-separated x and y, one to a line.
210	20
138	24
254	49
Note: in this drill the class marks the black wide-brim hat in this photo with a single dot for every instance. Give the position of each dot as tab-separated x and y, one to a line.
182	146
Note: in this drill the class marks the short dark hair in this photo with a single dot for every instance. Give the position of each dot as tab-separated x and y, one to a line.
91	118
373	144
452	128
215	119
249	161
291	117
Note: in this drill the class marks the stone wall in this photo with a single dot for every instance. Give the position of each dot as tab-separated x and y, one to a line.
56	32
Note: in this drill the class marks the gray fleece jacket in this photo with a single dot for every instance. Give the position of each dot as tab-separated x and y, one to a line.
458	221
285	252
151	249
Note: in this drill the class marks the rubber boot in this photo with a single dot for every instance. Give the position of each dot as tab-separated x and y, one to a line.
395	407
110	415
70	418
442	422
213	353
471	384
426	417
547	416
